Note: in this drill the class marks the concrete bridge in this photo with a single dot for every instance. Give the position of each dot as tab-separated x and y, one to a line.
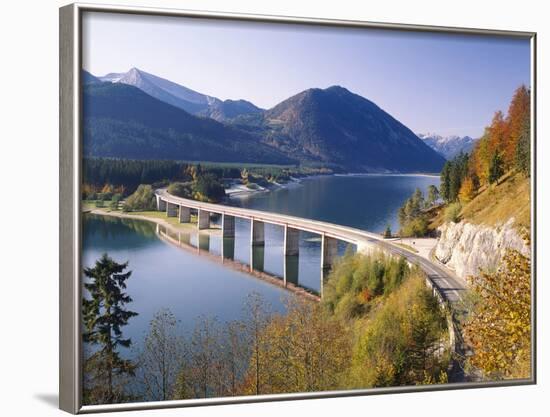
445	285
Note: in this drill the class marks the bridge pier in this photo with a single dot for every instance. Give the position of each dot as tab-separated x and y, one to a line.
203	242
204	219
228	248
161	204
257	233
291	241
257	258
185	214
291	268
329	252
228	226
171	210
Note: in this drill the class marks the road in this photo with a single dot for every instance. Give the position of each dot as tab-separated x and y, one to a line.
450	287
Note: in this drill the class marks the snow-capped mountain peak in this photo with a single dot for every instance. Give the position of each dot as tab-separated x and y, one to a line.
179	96
448	146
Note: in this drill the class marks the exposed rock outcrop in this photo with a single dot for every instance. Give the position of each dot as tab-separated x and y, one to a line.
468	248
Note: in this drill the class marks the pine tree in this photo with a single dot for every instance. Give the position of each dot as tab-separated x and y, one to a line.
496	169
518	111
104	314
446	181
433	195
523	149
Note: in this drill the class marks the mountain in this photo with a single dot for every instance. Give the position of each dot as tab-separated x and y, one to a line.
182	97
88	78
448	146
142	116
124	122
229	110
339	127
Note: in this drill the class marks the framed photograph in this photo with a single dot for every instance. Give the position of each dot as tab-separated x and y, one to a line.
259	208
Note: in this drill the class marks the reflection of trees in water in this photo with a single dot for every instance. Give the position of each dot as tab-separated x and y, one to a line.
113	233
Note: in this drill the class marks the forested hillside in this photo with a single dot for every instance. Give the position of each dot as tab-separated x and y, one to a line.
122	121
485	228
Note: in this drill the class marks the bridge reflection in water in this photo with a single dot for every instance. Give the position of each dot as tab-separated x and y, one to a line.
291	227
216	248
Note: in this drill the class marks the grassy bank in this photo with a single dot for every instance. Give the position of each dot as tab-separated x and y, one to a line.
158	217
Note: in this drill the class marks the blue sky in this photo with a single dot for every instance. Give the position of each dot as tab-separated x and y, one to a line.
442	83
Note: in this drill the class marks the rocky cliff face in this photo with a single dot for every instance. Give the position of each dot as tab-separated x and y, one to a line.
466	248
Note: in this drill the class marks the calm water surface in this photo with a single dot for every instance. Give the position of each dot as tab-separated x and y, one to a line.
191	285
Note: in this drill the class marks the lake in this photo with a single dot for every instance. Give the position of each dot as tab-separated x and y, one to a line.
191	285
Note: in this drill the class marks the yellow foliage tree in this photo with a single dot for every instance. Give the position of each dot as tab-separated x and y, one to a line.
107	188
302	351
467	190
499	329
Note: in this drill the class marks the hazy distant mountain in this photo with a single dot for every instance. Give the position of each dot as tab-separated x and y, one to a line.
336	126
122	121
182	97
228	110
88	78
448	146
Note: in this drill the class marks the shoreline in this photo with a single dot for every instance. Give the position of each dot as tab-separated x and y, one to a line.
244	192
387	174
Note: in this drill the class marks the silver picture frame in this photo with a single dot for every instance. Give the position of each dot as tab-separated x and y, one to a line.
70	236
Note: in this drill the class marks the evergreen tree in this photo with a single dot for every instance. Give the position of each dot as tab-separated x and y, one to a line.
104	314
518	111
496	168
523	149
433	195
446	181
459	170
417	202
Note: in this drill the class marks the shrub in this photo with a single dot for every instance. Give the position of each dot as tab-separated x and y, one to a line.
142	199
452	212
356	279
400	345
417	227
208	187
180	189
114	201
